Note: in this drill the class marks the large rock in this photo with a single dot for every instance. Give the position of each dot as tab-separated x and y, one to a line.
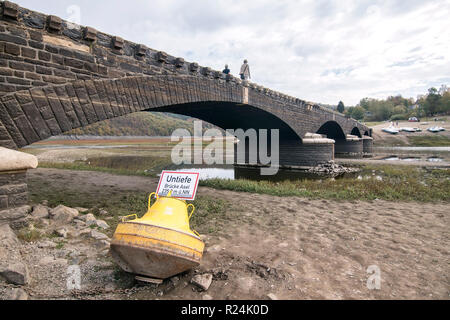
15	273
12	214
63	215
203	281
98	235
89	218
61	232
102	224
39	211
7	237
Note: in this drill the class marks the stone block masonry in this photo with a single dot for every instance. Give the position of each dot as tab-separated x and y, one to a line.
13	184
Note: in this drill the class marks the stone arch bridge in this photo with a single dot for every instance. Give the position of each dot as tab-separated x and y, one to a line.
56	76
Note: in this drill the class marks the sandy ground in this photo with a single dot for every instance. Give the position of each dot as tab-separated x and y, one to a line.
297	248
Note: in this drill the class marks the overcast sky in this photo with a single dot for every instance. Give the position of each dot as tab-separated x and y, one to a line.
317	50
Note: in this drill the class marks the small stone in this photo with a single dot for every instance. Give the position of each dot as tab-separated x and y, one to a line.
39	211
102	224
7	236
62	232
63	215
85	231
102	245
103	213
82	210
44	222
46	244
175	280
45	203
203	281
89	219
207	297
98	235
79	223
272	296
16	273
16	294
51	260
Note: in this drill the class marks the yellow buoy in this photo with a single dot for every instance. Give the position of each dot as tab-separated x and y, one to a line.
161	243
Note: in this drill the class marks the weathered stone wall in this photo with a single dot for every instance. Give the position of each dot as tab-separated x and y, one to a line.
38	50
292	154
349	148
13	189
367	146
13	197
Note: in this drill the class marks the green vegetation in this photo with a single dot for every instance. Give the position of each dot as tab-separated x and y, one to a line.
396	108
139	124
29	235
398	183
429	141
209	215
340	107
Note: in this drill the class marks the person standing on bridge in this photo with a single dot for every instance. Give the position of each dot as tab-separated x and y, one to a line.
245	71
226	70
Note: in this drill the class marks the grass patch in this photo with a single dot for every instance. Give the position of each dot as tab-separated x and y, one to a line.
373	123
429	141
403	183
208	216
29	235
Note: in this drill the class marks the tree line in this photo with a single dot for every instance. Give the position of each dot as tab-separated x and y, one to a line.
399	108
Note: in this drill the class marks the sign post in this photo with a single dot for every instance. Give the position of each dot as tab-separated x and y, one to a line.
182	184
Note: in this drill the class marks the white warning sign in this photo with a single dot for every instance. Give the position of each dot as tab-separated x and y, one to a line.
182	184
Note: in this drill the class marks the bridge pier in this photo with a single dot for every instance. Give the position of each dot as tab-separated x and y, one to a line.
313	150
350	147
13	185
367	146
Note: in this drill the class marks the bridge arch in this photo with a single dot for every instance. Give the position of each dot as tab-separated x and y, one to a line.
36	114
356	132
332	130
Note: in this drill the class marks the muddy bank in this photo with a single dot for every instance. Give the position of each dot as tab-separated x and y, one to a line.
306	249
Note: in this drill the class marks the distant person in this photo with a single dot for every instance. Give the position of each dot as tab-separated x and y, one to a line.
245	71
226	70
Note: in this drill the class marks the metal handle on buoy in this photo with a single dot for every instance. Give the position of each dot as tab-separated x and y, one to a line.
130	215
193	209
150	198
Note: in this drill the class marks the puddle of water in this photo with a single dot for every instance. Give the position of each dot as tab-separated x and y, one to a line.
156	164
434	159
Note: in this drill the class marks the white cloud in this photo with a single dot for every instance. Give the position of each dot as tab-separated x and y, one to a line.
322	51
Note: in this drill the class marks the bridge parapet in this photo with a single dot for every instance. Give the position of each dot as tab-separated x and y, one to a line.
34	35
